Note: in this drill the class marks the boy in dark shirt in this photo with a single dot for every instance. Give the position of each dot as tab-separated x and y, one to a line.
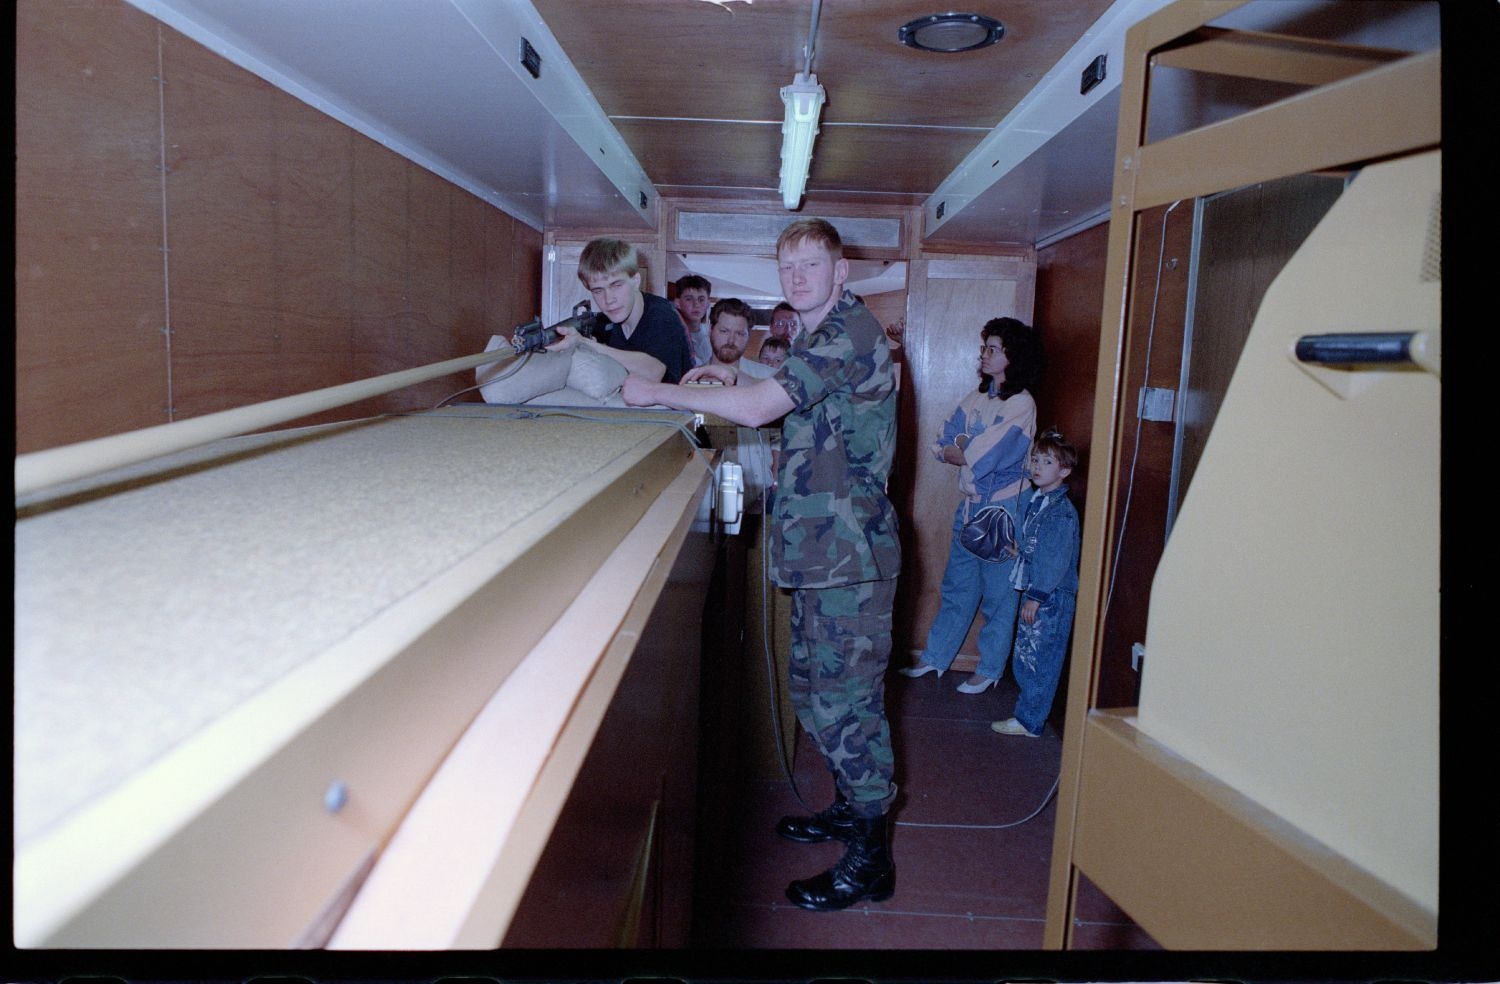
640	331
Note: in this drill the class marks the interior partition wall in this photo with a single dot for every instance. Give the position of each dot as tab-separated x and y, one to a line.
191	238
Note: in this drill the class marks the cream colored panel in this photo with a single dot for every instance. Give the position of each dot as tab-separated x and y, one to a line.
454	871
1292	648
1232	875
283	632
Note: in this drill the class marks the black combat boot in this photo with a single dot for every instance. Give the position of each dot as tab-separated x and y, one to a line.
834	823
866	871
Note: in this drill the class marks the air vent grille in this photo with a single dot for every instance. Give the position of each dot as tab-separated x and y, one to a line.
1432	255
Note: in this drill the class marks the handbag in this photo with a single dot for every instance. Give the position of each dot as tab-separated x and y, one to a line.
990	534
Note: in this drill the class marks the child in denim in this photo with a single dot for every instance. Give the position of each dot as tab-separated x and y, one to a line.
1046	574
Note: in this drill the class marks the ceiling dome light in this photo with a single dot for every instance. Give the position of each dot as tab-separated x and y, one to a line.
951	32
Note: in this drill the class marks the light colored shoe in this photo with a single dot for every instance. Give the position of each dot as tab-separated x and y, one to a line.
1010	726
977	684
919	669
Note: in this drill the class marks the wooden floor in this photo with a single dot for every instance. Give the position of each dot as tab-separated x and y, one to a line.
964	881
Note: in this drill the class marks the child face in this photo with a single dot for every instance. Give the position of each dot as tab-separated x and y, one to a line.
772	357
692	305
1046	473
615	294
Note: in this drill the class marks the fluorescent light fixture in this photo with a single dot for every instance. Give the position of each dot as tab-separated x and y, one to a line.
804	102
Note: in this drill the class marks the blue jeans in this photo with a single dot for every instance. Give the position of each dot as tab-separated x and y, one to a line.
1037	663
970	585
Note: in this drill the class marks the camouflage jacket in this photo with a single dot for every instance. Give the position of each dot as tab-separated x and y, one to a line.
837	526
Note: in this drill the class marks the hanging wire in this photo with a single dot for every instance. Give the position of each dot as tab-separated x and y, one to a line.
525	357
812	35
1135	453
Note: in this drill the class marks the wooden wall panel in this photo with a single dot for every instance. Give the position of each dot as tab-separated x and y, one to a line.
429	283
467	259
313	252
505	307
1069	297
220	193
89	300
380	263
1147	484
302	254
888	308
525	270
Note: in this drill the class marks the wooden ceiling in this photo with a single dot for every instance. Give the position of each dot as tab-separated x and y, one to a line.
693	87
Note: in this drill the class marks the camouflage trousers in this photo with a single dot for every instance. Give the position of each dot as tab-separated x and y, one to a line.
841	643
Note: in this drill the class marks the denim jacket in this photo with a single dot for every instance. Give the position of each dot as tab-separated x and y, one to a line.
1049	541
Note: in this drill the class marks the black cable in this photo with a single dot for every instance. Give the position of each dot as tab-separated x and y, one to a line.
1139	421
519	412
525	357
991	826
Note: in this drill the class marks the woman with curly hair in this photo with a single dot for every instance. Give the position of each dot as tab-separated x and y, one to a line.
988	436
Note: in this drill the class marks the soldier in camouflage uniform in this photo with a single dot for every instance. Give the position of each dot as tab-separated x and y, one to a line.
838	550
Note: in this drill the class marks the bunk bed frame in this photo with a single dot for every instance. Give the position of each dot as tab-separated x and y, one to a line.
346	701
1256	881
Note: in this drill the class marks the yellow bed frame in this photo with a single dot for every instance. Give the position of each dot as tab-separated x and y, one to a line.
1163	807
